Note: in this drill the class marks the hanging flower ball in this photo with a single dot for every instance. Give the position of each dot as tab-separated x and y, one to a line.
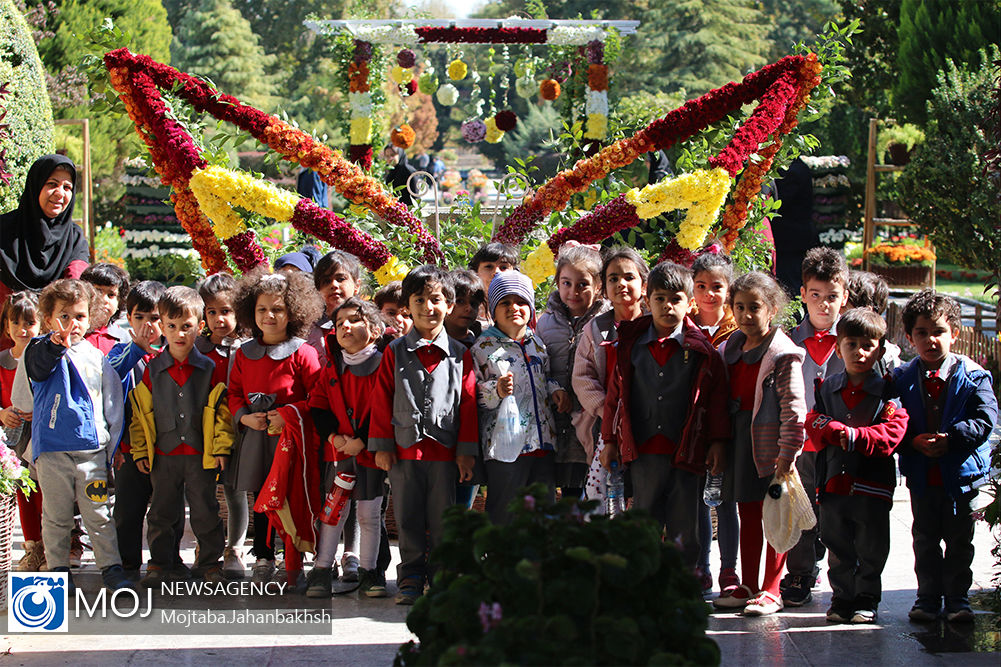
494	134
401	75
448	95
457	70
427	83
406	58
411	87
549	89
474	130
525	87
506	120
403	136
522	68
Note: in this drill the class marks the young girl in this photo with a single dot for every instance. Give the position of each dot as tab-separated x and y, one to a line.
337	277
511	361
571	306
766	388
340	404
218	291
274	368
712	274
623	282
21	323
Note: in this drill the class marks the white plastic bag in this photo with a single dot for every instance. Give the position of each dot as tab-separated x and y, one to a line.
788	515
508	437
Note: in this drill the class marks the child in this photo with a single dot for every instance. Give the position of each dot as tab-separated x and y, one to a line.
272	369
491	259
855	429
664	414
423	422
337	278
623	282
20	322
766	392
340	403
394	314
218	291
867	290
824	292
81	395
111	283
712	273
181	432
571	306
132	487
945	454
511	361
461	324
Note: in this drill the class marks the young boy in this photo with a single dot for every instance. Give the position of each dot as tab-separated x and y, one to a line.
132	488
824	292
424	425
461	324
867	290
394	313
337	278
111	283
855	429
181	432
77	397
491	259
944	454
665	413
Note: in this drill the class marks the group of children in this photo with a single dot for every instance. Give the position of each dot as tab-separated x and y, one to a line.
286	384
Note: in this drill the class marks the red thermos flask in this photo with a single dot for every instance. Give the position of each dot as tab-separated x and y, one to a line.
339	495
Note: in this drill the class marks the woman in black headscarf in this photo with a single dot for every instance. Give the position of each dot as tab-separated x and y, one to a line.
399	173
39	242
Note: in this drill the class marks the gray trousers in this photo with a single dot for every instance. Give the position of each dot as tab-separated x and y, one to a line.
422	491
939	574
505	479
804	558
672	497
176	479
856	531
81	477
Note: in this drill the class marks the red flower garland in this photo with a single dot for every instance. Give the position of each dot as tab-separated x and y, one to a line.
429	35
327	225
361	154
245	250
598	225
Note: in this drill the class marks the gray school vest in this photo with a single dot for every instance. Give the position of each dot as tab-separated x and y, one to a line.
426	405
177	411
660	394
811	370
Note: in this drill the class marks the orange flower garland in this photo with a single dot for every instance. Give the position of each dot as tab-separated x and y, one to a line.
597	77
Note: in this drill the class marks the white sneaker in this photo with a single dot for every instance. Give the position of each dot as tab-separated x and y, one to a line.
232	564
763	604
264	570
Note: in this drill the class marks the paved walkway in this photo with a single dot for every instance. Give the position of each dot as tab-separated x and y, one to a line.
368	632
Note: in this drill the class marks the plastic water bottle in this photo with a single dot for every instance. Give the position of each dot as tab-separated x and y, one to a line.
713	495
615	491
339	495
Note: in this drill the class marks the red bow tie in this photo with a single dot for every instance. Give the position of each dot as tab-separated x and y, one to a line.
933	385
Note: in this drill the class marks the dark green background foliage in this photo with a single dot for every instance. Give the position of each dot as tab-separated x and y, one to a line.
571	593
28	112
944	188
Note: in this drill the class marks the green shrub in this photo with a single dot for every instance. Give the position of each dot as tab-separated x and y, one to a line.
29	115
553	589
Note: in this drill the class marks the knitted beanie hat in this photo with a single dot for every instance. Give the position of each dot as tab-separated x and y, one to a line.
506	283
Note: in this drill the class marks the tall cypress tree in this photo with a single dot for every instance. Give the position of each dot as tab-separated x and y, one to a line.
215	41
931	31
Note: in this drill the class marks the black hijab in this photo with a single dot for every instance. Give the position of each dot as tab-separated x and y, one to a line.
399	175
34	249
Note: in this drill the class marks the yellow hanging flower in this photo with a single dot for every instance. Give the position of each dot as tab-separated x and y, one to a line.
701	192
392	270
457	70
218	190
361	130
540	265
494	135
401	75
597	126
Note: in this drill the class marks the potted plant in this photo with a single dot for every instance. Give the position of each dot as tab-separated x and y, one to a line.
898	141
902	264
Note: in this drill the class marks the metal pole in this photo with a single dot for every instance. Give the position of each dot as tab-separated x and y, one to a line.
88	212
422	187
868	230
502	188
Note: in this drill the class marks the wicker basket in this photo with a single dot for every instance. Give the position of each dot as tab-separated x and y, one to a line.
8	510
904	276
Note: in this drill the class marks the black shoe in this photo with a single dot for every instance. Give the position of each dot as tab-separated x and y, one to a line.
319	582
70	586
115	579
369	584
798	592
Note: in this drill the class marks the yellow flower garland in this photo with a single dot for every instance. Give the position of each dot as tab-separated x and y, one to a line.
392	270
701	192
218	190
540	265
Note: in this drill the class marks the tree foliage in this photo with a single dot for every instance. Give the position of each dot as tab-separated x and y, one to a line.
932	31
944	188
28	134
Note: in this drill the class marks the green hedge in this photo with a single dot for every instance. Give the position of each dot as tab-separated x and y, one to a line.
29	113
